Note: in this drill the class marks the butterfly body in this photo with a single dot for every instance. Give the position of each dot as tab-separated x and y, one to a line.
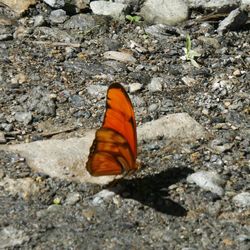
114	148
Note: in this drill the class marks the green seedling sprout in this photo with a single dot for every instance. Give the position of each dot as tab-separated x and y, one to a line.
189	53
133	19
57	201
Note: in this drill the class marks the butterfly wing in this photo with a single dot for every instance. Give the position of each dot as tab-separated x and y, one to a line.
114	148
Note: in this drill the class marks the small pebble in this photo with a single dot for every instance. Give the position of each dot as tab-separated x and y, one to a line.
237	72
2	138
209	181
119	56
153	107
72	199
58	16
25	117
242	199
155	84
102	196
134	87
188	81
38	20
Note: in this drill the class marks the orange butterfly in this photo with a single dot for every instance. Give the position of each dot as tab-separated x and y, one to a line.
114	148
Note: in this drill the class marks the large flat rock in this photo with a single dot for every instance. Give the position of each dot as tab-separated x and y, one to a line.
19	6
164	11
66	159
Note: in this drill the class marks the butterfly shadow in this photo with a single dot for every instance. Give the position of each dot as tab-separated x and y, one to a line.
152	190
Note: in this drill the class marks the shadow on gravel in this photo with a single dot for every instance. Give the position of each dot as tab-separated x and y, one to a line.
153	190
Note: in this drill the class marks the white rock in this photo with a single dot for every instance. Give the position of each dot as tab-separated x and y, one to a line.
134	87
24	117
156	84
245	5
119	56
55	3
242	199
207	180
66	159
72	198
38	20
164	11
178	126
102	196
115	10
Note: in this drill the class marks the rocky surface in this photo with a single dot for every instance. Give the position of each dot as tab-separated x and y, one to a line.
57	59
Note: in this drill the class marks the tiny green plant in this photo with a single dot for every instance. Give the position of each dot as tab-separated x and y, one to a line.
133	19
57	201
189	53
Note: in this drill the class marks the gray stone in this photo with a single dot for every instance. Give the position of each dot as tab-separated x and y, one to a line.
24	117
55	34
153	107
41	102
97	90
163	30
209	181
242	199
164	11
47	106
156	84
85	22
38	20
58	16
233	21
115	10
77	101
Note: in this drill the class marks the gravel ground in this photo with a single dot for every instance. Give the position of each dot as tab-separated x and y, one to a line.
51	80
